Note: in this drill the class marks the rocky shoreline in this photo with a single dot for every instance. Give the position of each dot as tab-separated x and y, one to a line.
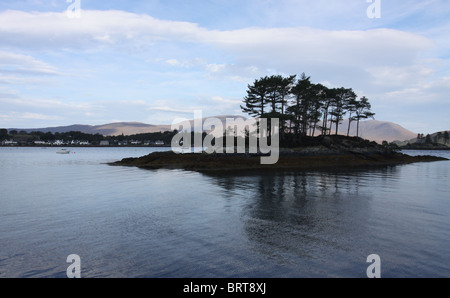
323	153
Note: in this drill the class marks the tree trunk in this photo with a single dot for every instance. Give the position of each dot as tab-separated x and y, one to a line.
282	130
357	128
349	123
324	123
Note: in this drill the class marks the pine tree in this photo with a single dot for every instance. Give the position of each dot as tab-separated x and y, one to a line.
299	108
340	102
351	106
326	104
363	111
256	99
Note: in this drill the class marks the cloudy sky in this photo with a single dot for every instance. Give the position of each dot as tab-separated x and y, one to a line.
154	61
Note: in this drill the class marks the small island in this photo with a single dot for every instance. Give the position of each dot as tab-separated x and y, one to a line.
436	141
309	117
325	152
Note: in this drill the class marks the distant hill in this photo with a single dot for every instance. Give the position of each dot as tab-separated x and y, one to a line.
373	130
437	138
377	131
111	129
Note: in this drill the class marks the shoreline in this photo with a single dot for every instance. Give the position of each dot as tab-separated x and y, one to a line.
84	146
291	161
425	149
325	152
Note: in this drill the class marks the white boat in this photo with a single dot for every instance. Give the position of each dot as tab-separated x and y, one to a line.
63	151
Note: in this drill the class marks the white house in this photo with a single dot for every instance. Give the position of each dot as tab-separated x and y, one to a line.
9	143
58	142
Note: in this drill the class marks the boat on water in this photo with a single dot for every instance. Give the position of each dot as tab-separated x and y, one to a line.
63	151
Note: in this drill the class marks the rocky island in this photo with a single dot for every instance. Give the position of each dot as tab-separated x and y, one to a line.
317	153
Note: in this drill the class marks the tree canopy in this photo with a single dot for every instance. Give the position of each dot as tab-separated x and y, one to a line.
303	107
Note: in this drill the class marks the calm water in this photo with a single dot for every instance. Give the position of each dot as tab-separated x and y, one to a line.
128	222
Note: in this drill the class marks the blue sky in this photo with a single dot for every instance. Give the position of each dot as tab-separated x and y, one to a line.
155	61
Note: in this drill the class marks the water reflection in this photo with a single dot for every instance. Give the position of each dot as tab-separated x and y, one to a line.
302	217
169	223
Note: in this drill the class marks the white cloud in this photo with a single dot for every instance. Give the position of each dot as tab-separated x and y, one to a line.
427	93
169	109
190	63
24	64
103	28
94	29
36	116
16	118
253	51
173	62
398	77
228	101
386	64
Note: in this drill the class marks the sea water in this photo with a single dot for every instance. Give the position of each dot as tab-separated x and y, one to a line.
130	222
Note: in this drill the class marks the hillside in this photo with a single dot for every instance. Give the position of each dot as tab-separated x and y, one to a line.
377	131
372	130
437	140
111	129
324	152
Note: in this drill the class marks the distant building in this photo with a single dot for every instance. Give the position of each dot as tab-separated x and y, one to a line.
9	143
159	143
104	143
58	142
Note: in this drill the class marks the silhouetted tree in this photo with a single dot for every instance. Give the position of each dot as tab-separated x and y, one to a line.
351	107
363	111
298	109
341	99
279	89
317	101
303	106
326	104
256	99
280	92
446	137
3	134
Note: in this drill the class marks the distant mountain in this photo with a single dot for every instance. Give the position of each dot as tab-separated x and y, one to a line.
111	129
377	131
373	130
437	137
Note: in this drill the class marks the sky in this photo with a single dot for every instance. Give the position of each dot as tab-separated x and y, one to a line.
65	62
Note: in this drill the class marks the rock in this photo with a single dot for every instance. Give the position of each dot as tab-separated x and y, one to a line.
307	159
